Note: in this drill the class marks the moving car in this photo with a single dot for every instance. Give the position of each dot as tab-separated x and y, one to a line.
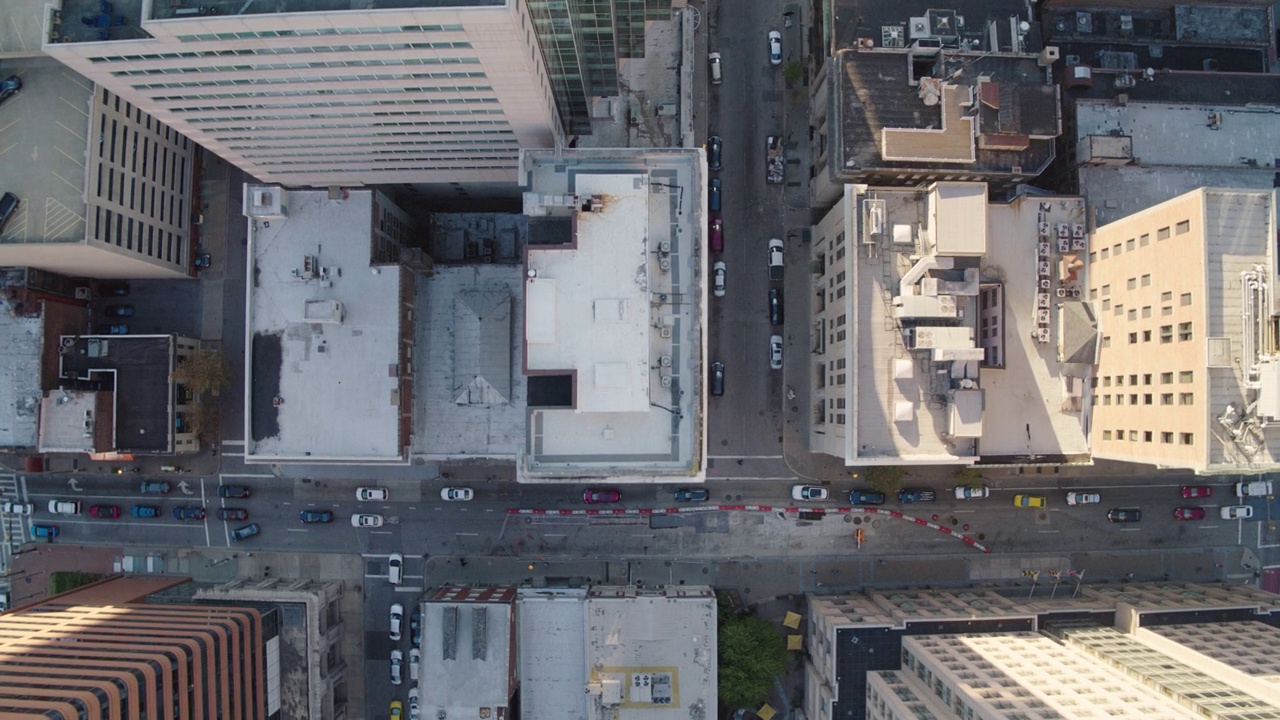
233	491
203	261
716	230
1253	488
1029	501
964	492
366	520
397	664
397	710
718	272
189	512
118	311
601	495
64	507
713	198
1190	492
713	152
144	511
775	352
1083	498
865	497
1236	512
111	329
1188	513
456	494
10	87
312	517
245	532
154	487
1125	515
18	508
809	492
104	512
717	70
692	495
395	568
775	306
113	288
48	532
717	378
233	514
915	495
775	47
775	259
397	621
367	494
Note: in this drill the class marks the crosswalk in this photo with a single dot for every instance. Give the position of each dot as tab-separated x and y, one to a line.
14	526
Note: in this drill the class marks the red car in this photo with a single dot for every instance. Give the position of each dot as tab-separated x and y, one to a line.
1188	513
717	234
104	512
1196	491
601	495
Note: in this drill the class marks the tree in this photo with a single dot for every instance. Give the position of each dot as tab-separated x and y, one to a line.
204	372
885	479
205	421
794	71
969	477
752	654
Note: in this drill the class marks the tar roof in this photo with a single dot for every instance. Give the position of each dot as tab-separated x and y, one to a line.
137	369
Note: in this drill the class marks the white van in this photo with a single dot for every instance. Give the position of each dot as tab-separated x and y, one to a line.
1253	488
716	76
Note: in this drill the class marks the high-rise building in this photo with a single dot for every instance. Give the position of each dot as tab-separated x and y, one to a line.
1188	369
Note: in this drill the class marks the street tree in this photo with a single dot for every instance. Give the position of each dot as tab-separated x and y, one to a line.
752	654
794	71
204	372
969	477
885	479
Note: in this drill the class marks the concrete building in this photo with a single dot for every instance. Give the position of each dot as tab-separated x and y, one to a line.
615	313
1137	650
950	330
468	648
329	333
1188	371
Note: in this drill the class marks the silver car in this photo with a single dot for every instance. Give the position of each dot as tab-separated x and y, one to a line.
775	352
368	494
397	621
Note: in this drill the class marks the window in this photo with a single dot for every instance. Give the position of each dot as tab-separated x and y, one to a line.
1106	290
1186	439
1166	296
1129	244
1166	334
1133	399
1093	257
1146	336
1146	379
1106	304
1133	338
1146	312
1106	399
1093	294
1182	227
1162	234
1186	398
1133	313
1133	283
1166	378
1146	435
1184	331
1119	399
1166	311
1166	398
1115	249
1106	381
1106	341
1185	299
1133	379
1146	280
1119	309
1166	438
1144	241
1133	436
1106	253
1185	377
1106	434
1146	399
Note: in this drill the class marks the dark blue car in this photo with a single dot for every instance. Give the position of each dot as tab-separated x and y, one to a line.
315	516
865	497
915	495
192	512
713	202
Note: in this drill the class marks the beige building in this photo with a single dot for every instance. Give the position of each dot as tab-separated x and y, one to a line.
1188	369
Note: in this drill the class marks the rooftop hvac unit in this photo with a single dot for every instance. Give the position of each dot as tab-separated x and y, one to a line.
873	212
666	381
82	293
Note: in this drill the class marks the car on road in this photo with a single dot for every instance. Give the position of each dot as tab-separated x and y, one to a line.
415	628
1029	501
245	532
233	514
111	329
717	378
809	492
369	494
397	665
717	68
775	259
1083	498
118	311
915	495
692	495
8	204
716	231
395	568
10	87
775	352
713	152
1191	492
48	532
775	306
104	512
144	511
366	520
14	507
64	507
203	261
718	272
1124	515
1253	488
1236	512
113	288
456	494
234	491
413	694
396	618
312	517
866	497
775	47
188	512
415	661
601	495
965	492
397	710
1188	513
713	195
154	487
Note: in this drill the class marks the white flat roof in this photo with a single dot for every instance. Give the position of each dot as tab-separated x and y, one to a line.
477	673
337	389
21	344
552	646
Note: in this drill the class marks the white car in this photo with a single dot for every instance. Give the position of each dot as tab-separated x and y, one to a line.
964	492
718	272
775	47
775	352
808	492
18	508
64	507
415	660
1253	488
456	494
1083	498
1236	512
413	698
395	568
366	520
367	494
397	667
397	621
775	258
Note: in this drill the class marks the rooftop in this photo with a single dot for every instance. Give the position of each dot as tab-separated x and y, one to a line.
971	25
324	333
21	345
220	8
134	371
553	666
468	663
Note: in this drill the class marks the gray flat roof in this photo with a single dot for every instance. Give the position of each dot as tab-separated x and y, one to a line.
21	344
552	645
466	650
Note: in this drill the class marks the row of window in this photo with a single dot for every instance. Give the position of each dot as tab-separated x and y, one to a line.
259	82
365	106
309	32
116	229
1185	377
1166	334
284	50
1180	228
345	92
266	67
425	152
1166	438
422	139
1147	399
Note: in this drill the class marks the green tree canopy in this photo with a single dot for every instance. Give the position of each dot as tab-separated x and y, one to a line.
206	371
794	71
969	477
885	478
752	654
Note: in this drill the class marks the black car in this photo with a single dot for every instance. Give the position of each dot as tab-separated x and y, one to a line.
118	311
775	306
1125	515
245	532
315	516
415	628
865	497
188	513
10	87
8	204
713	152
154	487
112	329
233	514
717	378
233	491
915	495
692	495
113	288
203	261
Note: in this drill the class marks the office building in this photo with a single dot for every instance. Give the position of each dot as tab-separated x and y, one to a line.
468	648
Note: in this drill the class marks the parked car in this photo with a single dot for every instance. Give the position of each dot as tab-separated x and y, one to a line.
154	487
415	628
188	512
692	495
118	311
775	47
144	511
104	512
1190	492
111	329
775	259
1236	512
8	205
113	288
916	495
775	352
965	492
10	87
456	494
1124	515
14	507
48	532
809	492
312	517
233	514
234	491
717	69
717	378
395	568
203	261
368	494
397	621
1188	513
397	710
775	306
716	231
1083	498
592	496
366	520
866	497
713	196
1029	501
64	507
713	152
1253	488
245	532
718	272
415	662
397	665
